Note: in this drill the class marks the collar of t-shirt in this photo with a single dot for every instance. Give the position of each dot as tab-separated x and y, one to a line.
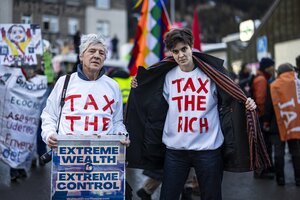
84	77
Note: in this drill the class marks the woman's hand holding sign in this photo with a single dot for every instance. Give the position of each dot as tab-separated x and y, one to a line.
52	141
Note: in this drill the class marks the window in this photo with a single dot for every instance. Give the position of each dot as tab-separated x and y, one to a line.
73	2
104	4
103	28
50	1
26	19
50	23
73	26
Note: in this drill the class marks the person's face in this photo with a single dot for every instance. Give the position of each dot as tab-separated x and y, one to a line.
270	70
247	70
183	55
17	34
93	58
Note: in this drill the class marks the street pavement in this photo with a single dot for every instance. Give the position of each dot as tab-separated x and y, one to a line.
236	186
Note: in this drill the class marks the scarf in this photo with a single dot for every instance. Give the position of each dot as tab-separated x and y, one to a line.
258	154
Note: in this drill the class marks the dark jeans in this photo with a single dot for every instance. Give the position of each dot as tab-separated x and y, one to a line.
294	150
208	167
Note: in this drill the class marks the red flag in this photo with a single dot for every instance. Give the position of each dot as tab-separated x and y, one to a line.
196	31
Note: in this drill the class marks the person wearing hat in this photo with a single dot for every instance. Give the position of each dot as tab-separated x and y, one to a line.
283	129
286	67
259	90
260	83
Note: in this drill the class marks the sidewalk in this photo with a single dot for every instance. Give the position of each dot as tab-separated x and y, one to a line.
236	186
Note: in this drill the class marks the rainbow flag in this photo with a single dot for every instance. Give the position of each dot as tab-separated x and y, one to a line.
148	45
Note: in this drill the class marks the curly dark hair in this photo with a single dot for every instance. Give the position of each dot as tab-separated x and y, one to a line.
177	35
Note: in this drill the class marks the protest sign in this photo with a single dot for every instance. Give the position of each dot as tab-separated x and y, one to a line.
19	44
87	167
20	108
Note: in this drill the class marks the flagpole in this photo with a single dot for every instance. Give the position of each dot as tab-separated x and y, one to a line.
172	11
165	10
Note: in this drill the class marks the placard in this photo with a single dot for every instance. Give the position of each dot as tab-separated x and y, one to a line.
19	44
88	167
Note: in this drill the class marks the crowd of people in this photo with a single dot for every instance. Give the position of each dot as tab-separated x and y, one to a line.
185	119
270	88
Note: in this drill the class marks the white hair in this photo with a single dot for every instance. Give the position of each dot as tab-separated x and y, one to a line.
87	40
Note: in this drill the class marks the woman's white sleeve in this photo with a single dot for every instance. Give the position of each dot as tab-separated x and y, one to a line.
50	113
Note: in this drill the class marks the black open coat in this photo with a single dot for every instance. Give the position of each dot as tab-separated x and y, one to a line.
146	113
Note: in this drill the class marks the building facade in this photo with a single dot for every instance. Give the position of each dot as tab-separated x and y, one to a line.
278	36
61	19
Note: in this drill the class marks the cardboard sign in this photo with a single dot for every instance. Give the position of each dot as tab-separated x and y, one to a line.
19	44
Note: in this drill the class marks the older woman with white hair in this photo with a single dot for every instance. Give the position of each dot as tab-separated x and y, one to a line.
93	101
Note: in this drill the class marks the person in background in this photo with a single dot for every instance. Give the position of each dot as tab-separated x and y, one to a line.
279	93
259	92
234	77
29	72
122	77
175	114
245	79
260	83
76	43
151	184
114	44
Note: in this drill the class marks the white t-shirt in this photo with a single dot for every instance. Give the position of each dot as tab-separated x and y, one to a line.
192	121
91	107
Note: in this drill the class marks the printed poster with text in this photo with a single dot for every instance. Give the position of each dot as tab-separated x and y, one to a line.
88	168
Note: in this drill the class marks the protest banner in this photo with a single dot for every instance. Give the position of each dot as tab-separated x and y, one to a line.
19	44
285	92
20	109
88	167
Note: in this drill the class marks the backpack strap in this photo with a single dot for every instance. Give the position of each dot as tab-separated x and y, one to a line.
62	99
